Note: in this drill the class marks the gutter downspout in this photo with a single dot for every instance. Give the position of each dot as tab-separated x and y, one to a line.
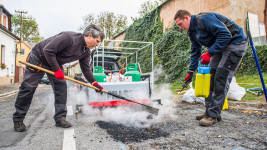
15	72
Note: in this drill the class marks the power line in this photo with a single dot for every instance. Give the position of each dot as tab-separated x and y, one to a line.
19	4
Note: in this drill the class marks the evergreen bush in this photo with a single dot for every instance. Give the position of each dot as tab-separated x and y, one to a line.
172	50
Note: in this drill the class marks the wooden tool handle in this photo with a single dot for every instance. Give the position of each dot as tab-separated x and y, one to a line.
65	77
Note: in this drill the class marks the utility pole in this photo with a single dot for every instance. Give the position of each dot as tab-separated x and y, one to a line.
20	40
21	12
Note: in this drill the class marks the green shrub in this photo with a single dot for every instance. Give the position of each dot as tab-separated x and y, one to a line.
172	50
173	54
248	64
148	29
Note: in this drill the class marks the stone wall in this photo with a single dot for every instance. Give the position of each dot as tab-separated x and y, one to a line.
235	10
265	19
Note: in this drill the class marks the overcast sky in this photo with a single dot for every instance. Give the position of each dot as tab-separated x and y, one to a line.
54	16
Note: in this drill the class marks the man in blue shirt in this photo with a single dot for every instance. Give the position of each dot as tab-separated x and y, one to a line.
226	43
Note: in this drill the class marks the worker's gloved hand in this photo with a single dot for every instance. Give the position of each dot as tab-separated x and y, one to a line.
205	58
59	74
189	77
98	86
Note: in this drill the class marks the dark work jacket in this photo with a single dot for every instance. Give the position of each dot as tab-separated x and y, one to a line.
63	48
214	31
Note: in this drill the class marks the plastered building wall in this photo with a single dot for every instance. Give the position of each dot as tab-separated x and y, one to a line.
119	37
20	57
235	10
7	74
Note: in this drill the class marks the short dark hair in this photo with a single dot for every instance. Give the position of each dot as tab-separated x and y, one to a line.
181	13
94	30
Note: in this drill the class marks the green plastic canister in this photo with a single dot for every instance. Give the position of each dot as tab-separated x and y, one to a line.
132	70
99	74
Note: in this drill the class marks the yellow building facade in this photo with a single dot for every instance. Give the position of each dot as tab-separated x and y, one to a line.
23	52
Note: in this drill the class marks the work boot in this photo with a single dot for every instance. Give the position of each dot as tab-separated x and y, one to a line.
19	126
63	124
200	116
207	121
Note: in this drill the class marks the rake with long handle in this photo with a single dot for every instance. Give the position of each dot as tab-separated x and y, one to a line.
150	109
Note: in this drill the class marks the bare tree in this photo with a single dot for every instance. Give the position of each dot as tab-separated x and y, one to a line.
109	22
87	20
148	6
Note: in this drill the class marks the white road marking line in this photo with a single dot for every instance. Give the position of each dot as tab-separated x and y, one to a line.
69	111
69	140
9	93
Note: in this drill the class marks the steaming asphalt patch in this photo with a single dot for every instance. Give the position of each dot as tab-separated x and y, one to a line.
131	134
69	111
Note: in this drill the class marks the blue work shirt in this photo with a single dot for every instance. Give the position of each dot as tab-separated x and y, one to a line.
214	31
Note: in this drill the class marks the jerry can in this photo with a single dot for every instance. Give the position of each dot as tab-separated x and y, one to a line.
202	84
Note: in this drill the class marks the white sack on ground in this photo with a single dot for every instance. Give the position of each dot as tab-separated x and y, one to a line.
190	97
235	91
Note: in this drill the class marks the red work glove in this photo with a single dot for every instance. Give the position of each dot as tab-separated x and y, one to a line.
98	86
59	74
205	58
189	77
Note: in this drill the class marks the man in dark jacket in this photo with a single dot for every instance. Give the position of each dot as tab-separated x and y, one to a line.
226	43
51	54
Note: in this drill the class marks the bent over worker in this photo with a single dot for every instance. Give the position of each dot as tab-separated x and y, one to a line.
51	54
226	43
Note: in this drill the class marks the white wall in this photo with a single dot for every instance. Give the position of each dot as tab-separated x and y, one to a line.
10	48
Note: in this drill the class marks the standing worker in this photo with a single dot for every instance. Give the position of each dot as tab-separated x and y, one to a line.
226	43
51	54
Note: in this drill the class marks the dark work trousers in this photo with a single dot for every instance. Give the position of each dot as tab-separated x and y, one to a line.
27	89
223	66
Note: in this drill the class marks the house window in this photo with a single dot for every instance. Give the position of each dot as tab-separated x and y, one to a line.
2	53
22	52
5	21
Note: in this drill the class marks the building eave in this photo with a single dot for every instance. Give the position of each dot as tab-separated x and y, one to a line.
5	30
6	11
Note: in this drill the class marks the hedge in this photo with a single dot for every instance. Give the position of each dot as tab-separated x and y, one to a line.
172	50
